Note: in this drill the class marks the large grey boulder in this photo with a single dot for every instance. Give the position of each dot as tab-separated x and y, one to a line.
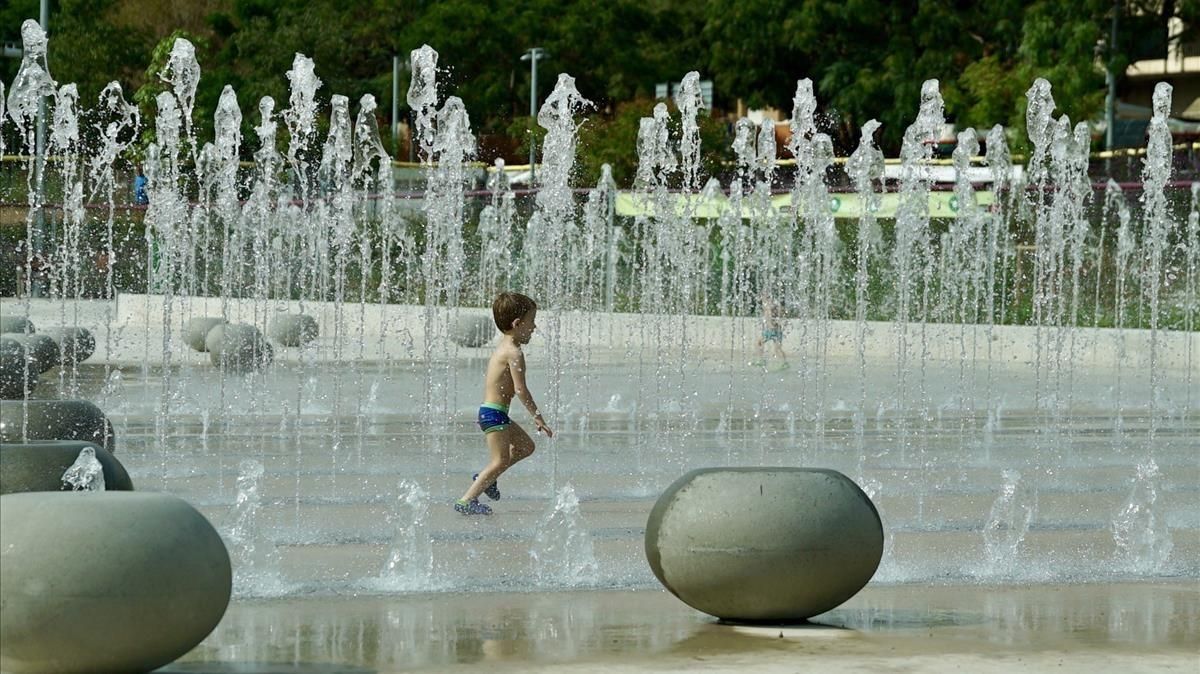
293	329
18	324
41	350
238	347
106	581
18	377
764	544
195	331
39	466
27	420
75	344
473	330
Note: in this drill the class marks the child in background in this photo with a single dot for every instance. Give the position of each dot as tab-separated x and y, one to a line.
772	331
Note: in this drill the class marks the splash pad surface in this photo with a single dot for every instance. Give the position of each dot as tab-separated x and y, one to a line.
359	458
1080	627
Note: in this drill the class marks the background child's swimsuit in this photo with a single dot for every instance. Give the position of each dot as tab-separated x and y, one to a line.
493	417
772	335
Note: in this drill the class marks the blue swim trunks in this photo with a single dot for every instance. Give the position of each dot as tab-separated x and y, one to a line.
772	336
493	417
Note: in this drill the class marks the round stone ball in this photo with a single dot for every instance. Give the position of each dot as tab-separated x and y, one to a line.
41	350
18	324
764	544
293	329
238	347
17	378
55	420
75	344
196	330
473	330
39	466
115	581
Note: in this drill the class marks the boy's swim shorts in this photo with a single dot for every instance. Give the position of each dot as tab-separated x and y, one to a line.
493	417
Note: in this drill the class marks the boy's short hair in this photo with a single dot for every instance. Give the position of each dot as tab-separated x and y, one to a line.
508	307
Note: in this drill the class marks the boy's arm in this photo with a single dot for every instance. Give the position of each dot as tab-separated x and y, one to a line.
516	367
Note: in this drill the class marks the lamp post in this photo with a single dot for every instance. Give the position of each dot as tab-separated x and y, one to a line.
39	232
401	67
44	19
395	104
1110	98
532	56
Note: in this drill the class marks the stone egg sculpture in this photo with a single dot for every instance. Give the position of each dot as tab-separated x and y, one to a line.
41	350
113	581
38	465
238	347
764	544
55	420
18	324
293	329
18	377
196	330
75	344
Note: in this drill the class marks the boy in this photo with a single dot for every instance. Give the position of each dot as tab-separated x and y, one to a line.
507	442
772	331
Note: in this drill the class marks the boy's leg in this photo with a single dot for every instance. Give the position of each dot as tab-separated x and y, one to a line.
506	448
522	444
498	444
492	491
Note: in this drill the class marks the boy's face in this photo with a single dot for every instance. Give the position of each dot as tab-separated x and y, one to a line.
524	326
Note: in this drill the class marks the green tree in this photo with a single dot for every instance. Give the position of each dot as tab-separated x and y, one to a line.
868	58
612	140
86	46
12	14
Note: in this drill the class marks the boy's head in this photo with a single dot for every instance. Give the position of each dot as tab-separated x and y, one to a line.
514	314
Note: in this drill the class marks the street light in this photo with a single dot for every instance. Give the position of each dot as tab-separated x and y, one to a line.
1110	98
396	104
401	67
40	163
532	56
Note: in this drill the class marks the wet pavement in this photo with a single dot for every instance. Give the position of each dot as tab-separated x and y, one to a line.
1143	626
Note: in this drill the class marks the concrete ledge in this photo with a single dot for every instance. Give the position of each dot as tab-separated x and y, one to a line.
396	323
473	330
373	332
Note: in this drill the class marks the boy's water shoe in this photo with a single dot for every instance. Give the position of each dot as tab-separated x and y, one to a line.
471	507
493	490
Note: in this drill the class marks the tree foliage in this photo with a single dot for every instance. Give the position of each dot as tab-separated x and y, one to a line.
867	58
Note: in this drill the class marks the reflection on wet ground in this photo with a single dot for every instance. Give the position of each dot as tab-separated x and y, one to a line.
1131	626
